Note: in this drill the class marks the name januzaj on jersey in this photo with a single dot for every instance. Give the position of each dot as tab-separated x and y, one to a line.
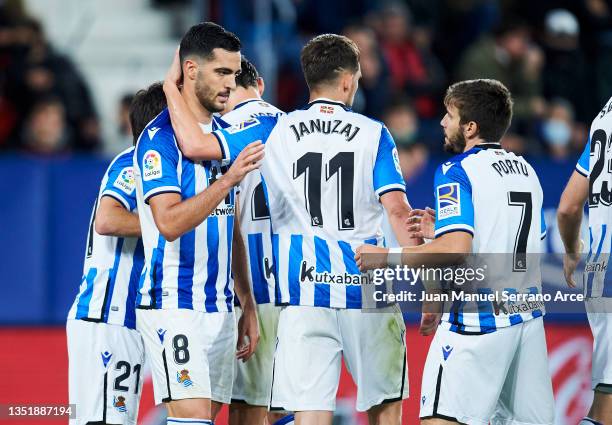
325	127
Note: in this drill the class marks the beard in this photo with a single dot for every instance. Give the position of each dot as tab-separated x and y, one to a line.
206	96
455	144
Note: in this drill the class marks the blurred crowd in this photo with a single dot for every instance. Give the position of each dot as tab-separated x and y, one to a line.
554	55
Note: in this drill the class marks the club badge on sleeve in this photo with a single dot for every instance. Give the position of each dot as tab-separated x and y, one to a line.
449	201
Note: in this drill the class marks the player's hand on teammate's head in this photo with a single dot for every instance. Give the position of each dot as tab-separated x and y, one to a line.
420	223
248	160
248	334
175	73
369	257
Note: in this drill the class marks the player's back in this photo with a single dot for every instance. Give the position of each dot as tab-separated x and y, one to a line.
595	164
112	264
325	170
496	196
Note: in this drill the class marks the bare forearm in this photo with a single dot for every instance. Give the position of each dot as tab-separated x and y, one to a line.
448	250
193	142
569	229
240	270
177	219
112	219
400	229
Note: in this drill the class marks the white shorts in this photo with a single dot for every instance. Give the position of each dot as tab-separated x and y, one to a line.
105	368
599	311
253	381
498	378
192	353
311	344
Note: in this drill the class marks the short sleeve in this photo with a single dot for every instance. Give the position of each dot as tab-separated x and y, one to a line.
120	184
158	157
234	139
453	200
387	172
583	162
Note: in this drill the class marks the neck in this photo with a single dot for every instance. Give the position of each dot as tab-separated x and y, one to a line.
473	142
328	94
250	93
202	114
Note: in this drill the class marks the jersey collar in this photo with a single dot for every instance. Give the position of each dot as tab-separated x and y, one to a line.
328	102
488	145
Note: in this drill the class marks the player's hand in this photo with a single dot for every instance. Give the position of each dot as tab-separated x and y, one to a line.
249	159
248	334
429	323
175	73
420	223
430	316
370	257
570	262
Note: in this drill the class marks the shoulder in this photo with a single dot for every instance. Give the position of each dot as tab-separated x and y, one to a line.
124	158
453	169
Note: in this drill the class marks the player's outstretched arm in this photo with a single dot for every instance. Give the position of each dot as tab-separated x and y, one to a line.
569	217
193	142
398	210
175	217
113	219
448	249
248	326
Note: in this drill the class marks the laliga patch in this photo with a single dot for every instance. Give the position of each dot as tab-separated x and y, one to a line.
449	202
125	180
151	165
237	128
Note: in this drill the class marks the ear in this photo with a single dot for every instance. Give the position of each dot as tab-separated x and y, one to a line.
470	130
261	86
347	81
190	69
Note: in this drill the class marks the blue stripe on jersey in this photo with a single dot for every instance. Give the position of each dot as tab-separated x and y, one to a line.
157	273
538	312
371	241
256	255
485	311
590	244
277	291
229	299
352	292
112	279
187	253
140	285
322	295
295	262
212	245
85	298
130	302
516	318
322	254
456	316
591	276
349	258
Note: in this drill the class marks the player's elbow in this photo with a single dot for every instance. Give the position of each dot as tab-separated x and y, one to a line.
568	211
104	225
167	230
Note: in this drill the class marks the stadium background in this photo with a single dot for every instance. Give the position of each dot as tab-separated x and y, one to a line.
68	67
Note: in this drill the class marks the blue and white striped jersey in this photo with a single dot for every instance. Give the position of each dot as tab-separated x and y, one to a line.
495	196
596	164
112	265
192	272
254	212
325	169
